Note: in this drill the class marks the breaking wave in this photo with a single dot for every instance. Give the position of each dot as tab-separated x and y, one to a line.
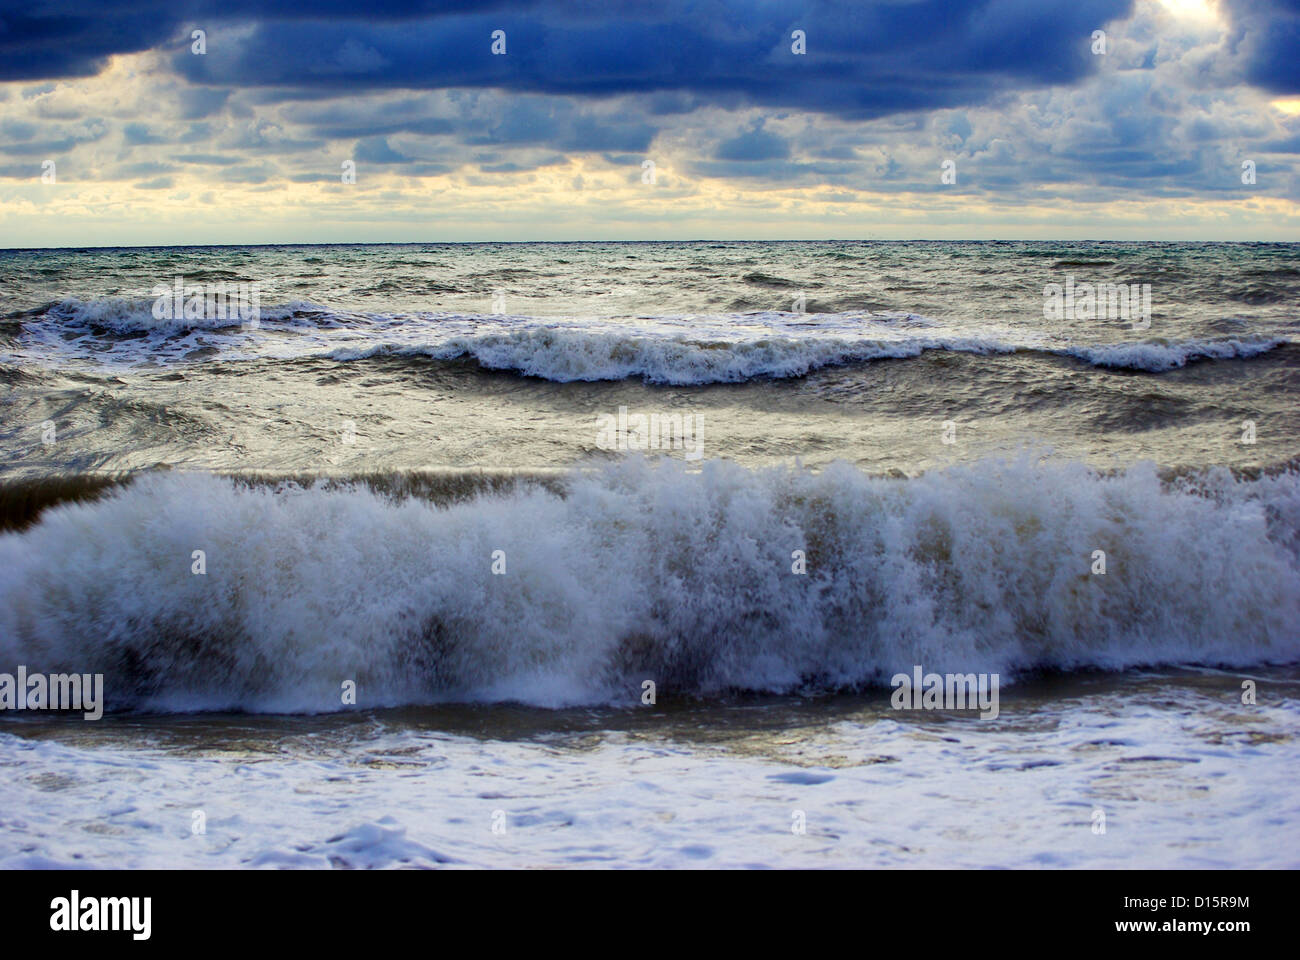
679	351
565	355
1158	356
645	570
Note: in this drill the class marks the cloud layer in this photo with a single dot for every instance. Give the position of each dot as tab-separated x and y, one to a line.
932	116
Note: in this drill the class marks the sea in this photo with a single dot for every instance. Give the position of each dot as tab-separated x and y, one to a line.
612	554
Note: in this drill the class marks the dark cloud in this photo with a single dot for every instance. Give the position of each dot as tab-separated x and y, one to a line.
59	140
377	150
137	134
44	148
780	170
521	167
757	144
246	174
208	159
12	130
589	134
200	102
63	39
75	38
287	90
144	169
863	59
1289	145
1267	34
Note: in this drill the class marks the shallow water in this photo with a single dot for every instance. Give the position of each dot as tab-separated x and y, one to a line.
1183	773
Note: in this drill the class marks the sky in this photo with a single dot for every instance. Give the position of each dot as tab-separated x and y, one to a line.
199	122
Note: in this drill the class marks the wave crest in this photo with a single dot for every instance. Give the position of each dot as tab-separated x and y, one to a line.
679	351
566	355
644	570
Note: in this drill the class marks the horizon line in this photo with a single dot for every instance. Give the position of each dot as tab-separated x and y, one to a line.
467	243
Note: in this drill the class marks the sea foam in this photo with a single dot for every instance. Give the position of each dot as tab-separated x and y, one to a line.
672	350
646	570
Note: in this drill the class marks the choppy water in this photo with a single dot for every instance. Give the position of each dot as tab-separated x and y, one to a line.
396	348
944	459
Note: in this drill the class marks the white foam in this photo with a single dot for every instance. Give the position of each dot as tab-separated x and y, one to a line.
564	356
126	316
677	350
647	571
1180	782
1158	356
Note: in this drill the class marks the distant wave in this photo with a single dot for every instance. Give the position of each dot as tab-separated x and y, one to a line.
574	355
647	571
671	350
766	280
571	355
1157	356
123	316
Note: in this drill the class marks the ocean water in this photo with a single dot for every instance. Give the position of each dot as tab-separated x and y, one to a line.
435	473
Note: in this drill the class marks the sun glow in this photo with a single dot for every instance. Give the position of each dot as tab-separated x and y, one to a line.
1203	10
